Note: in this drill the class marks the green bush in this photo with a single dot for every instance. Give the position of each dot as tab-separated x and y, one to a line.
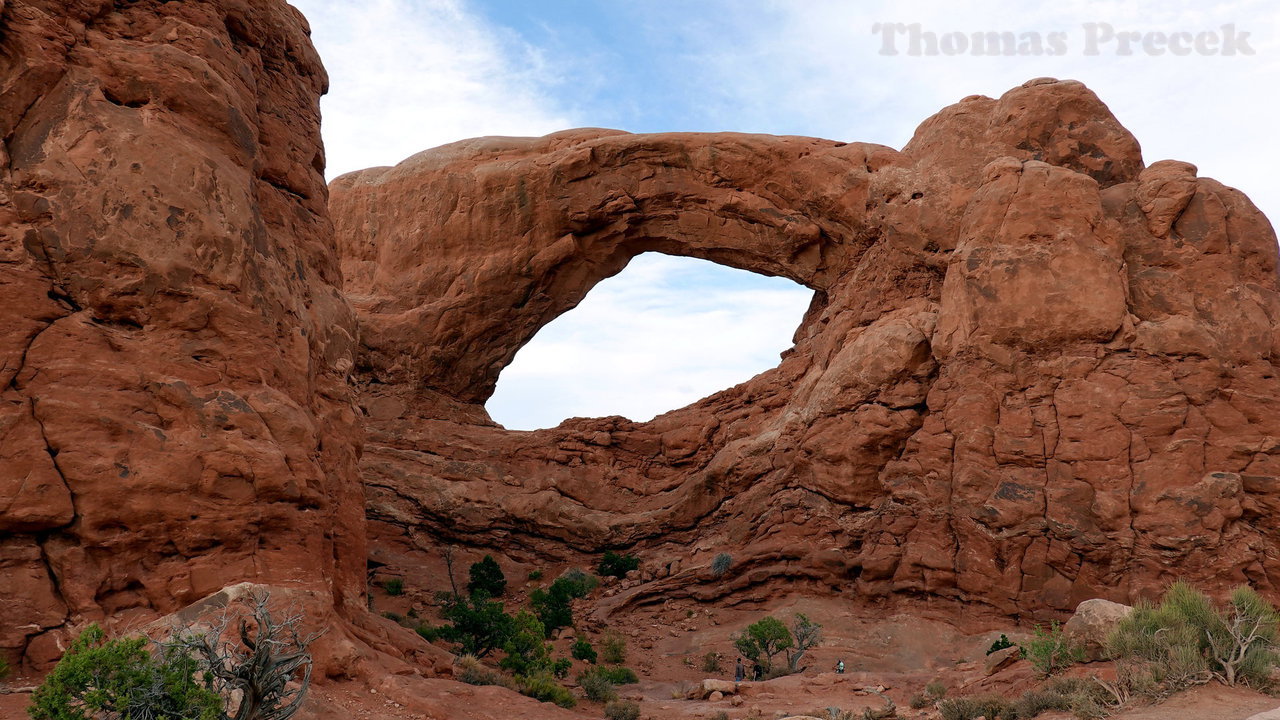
1000	644
1186	640
394	617
920	701
476	623
720	564
935	690
613	648
428	633
535	574
583	651
526	647
543	687
120	678
618	675
577	583
553	606
393	586
615	565
622	710
487	577
596	686
1050	651
762	640
4	668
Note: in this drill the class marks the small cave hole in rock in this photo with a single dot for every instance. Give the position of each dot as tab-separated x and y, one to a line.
663	333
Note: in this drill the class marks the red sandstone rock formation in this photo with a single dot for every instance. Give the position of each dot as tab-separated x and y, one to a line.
1034	372
174	414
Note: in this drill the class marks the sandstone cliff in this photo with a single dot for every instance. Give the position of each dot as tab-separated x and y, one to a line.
1035	371
174	349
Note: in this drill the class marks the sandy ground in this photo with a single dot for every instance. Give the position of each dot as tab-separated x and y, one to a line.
890	655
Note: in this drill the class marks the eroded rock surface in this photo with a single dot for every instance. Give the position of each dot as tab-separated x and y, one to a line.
1035	371
174	411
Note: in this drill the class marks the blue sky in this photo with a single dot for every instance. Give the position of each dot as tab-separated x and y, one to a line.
411	74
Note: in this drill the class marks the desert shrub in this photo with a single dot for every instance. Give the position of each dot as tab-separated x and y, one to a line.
1086	697
806	634
393	617
596	686
257	663
1187	640
553	606
711	662
920	701
1000	644
613	648
988	707
935	690
583	651
622	710
762	640
887	711
577	583
543	687
617	674
526	647
720	564
535	574
121	678
1050	651
428	632
4	668
615	565
767	637
473	672
476	623
487	577
393	586
1034	702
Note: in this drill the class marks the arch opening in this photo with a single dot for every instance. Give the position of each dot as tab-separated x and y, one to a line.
663	333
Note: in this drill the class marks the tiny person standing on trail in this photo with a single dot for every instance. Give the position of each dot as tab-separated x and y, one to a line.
840	667
739	672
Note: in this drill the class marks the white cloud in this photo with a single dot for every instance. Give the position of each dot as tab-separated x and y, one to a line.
407	75
664	333
815	68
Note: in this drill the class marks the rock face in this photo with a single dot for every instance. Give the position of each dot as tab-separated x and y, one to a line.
1034	372
174	411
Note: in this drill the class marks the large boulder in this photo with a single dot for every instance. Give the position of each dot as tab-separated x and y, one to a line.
1092	622
1001	659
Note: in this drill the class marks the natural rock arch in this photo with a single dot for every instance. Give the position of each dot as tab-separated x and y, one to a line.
1012	388
575	207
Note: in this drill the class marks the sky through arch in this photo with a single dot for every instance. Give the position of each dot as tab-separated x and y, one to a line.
663	333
